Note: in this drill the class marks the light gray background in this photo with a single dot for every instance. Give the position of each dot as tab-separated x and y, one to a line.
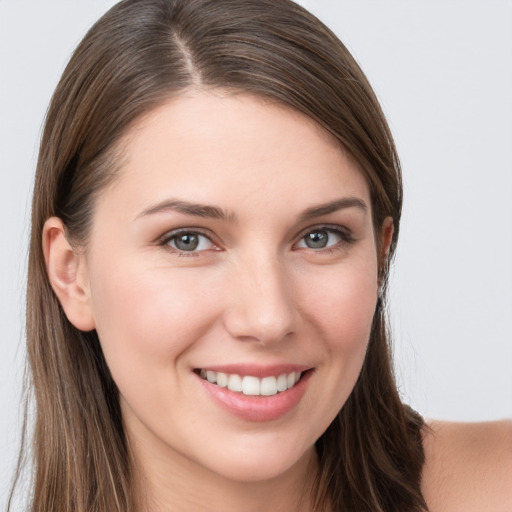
443	72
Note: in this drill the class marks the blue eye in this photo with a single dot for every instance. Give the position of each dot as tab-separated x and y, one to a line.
323	238
189	241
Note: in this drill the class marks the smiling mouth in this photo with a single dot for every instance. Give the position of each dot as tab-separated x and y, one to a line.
250	385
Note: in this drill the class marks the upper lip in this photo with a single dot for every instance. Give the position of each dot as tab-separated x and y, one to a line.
256	370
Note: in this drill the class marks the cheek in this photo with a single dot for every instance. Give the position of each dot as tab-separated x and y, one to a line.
343	307
338	306
148	316
342	311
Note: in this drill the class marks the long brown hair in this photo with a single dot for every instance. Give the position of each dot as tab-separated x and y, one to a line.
135	57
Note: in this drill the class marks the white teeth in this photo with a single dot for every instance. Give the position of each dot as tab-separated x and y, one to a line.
252	386
268	386
282	384
222	379
235	383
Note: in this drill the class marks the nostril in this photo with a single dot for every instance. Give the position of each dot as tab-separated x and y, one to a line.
261	304
248	326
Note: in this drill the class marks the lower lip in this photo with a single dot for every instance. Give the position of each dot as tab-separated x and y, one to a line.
258	408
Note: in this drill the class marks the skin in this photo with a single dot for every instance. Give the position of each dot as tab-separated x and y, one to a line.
252	292
468	466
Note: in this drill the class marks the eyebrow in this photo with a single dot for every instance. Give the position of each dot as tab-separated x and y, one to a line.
188	208
333	206
214	212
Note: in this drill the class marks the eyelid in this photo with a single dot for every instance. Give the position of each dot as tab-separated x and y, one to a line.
346	235
343	232
169	235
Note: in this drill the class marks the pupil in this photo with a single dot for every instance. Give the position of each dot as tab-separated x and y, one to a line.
187	242
316	240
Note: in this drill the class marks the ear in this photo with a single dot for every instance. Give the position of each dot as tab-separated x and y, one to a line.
385	238
67	273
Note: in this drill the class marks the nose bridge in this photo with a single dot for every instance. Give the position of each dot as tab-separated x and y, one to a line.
262	305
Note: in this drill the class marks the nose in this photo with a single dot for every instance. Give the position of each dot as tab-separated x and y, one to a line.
261	306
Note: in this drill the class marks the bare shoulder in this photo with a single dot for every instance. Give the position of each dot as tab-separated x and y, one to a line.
468	466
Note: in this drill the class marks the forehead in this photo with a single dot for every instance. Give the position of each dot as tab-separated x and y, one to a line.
233	148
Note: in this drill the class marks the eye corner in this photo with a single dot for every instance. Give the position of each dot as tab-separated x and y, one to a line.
193	242
343	237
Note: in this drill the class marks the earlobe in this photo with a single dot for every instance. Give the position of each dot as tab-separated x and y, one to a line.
67	274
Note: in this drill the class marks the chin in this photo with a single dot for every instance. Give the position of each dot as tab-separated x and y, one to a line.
257	463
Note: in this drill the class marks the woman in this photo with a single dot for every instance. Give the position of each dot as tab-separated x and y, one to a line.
216	205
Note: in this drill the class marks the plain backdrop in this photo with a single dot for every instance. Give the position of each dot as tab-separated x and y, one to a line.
443	72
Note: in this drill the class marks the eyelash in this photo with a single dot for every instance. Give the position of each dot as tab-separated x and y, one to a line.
346	238
173	235
345	235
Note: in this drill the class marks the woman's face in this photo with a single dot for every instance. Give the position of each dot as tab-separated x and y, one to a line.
237	244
